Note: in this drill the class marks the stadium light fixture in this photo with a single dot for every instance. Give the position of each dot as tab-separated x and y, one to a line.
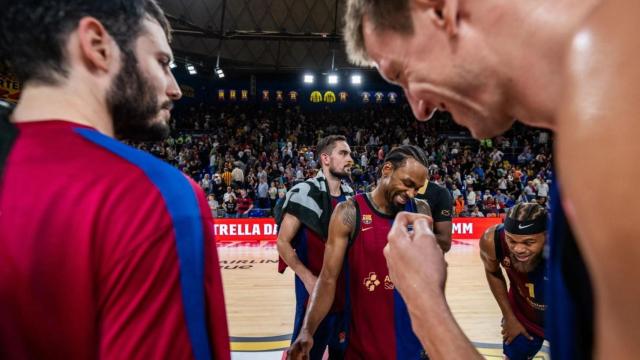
332	79
356	79
220	73
308	79
191	69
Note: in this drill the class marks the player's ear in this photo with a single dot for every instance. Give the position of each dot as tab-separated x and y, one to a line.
96	46
387	169
444	13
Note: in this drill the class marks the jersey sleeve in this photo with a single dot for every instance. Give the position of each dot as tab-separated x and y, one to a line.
216	309
442	206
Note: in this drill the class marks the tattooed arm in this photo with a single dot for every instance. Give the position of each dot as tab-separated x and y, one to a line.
423	207
342	224
443	241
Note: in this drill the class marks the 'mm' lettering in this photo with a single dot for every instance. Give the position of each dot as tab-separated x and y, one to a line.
463	228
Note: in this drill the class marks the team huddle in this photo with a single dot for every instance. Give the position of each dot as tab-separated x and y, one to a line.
342	276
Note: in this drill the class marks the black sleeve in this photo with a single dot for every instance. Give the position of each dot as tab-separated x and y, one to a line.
441	205
8	134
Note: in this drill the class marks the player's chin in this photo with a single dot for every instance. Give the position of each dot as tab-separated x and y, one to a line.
483	126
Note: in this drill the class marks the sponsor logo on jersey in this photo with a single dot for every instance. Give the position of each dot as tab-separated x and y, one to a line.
371	282
388	284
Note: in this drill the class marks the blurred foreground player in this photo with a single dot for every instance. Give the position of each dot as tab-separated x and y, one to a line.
111	256
517	246
560	65
303	233
378	322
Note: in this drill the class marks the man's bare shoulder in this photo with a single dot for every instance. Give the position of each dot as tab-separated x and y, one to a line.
605	43
345	214
602	80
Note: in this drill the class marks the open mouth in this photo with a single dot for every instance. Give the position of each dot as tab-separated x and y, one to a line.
522	258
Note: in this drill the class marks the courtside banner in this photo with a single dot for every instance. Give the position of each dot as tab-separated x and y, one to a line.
265	229
472	228
248	229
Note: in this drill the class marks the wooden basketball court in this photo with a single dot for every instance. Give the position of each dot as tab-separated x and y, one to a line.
260	301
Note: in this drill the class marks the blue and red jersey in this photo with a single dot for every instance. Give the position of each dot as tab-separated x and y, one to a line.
379	323
106	252
526	290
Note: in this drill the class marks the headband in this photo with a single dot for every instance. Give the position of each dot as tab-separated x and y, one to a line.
527	227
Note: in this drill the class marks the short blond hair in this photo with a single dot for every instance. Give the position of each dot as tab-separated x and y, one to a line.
384	14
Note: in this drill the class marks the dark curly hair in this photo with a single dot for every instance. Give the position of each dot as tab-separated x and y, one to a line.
398	156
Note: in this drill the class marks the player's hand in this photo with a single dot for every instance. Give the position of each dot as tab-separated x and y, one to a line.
511	328
299	350
416	262
310	284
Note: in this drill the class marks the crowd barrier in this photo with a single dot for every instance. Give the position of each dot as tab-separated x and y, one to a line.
265	229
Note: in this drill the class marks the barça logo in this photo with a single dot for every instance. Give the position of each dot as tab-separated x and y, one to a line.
367	219
371	281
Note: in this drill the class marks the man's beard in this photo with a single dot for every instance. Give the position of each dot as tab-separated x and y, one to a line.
393	206
525	267
342	175
133	106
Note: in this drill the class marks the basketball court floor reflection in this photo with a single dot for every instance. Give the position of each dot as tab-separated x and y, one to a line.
260	301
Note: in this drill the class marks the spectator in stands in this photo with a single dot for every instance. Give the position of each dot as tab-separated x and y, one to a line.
452	162
213	205
217	187
455	192
245	204
543	190
273	195
262	174
237	176
489	205
471	197
227	177
486	195
459	206
230	206
476	212
263	193
229	195
205	183
282	190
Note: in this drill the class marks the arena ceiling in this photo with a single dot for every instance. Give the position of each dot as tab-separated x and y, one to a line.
271	35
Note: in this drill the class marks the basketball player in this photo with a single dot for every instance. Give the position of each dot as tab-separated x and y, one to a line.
303	233
561	65
378	323
111	254
517	246
441	204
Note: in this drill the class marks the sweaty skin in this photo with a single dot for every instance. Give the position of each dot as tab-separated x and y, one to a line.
598	132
